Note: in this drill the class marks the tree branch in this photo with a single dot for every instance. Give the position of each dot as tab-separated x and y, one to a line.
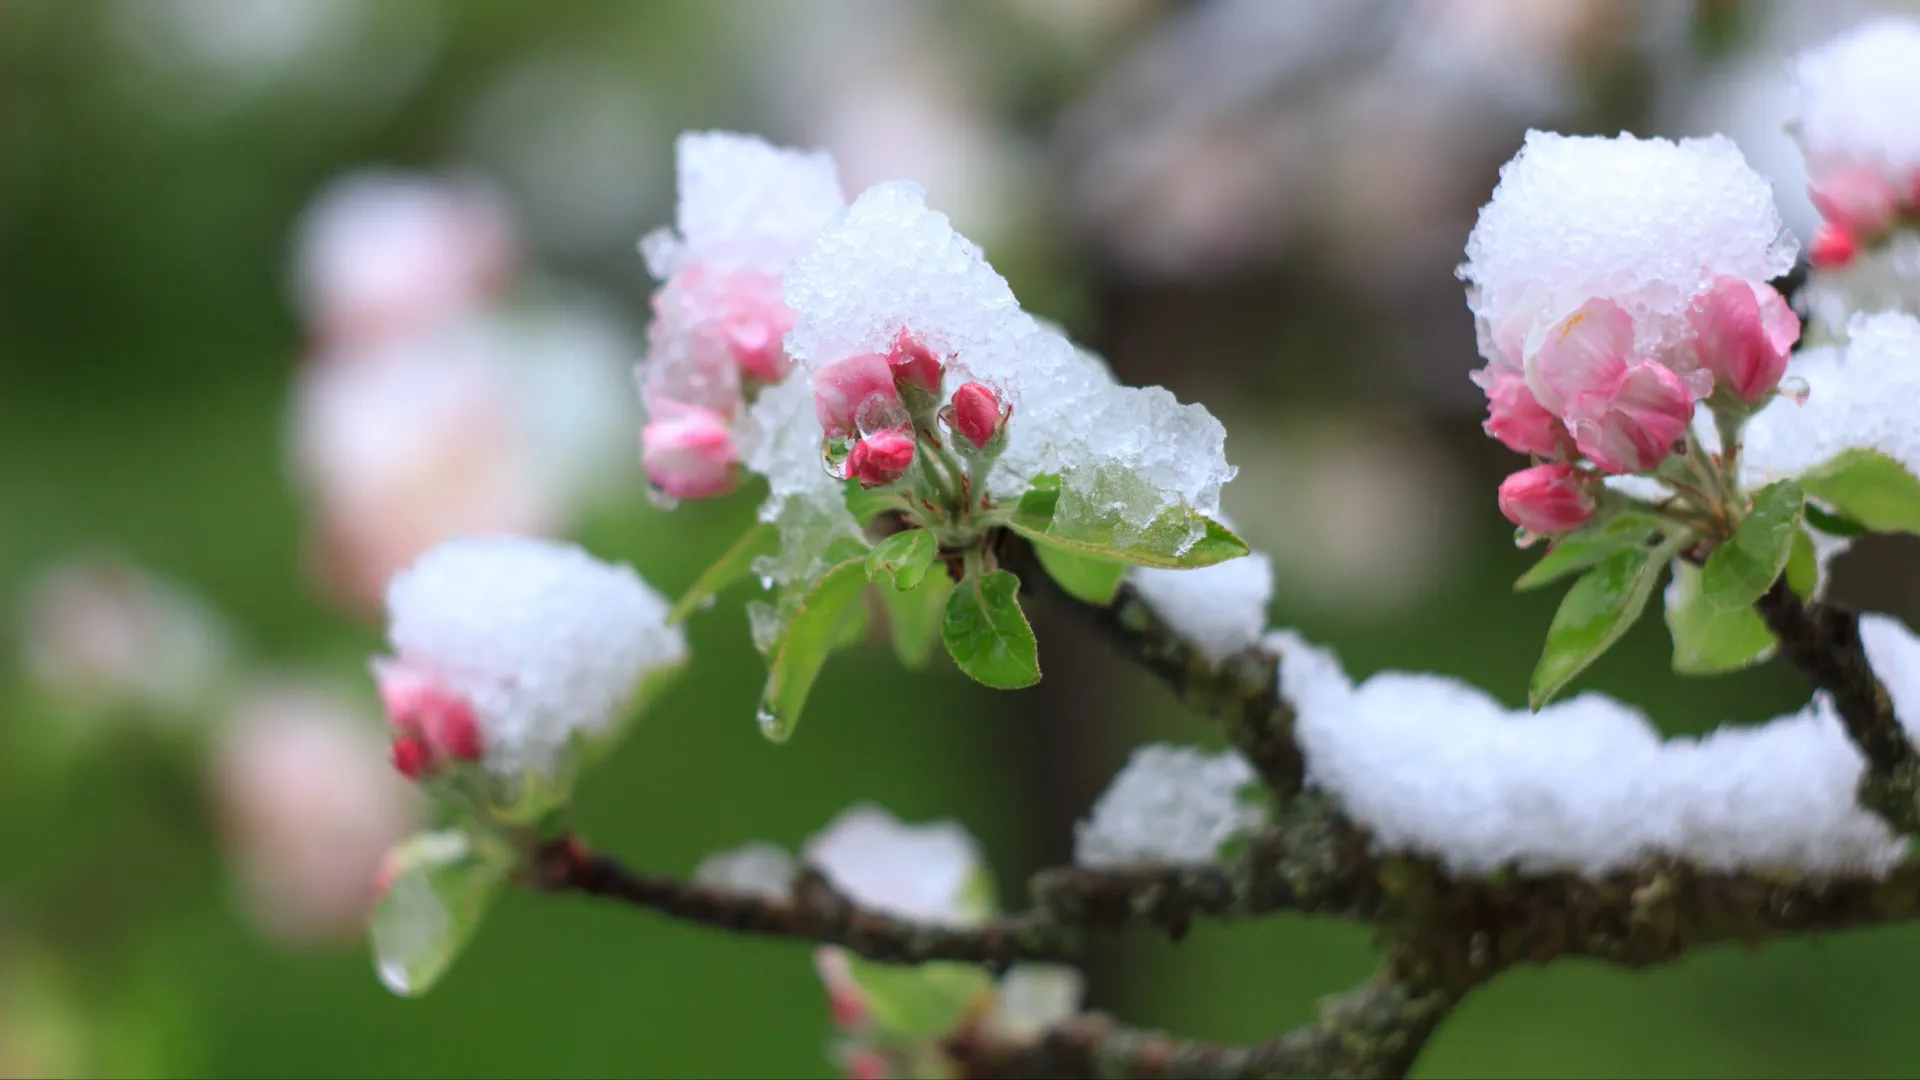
1823	643
1376	1029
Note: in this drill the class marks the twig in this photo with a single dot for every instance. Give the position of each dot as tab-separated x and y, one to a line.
1823	643
1377	1029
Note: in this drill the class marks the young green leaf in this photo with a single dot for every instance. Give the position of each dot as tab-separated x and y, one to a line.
914	617
987	634
1596	611
865	504
1082	577
1709	640
731	567
1578	550
437	887
903	558
1868	487
1158	544
920	1002
1832	524
1743	568
815	628
1803	567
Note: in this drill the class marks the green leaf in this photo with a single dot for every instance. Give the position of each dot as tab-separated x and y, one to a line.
762	539
812	632
903	557
1709	640
1156	545
1803	567
1832	524
987	634
1743	568
914	617
1594	613
1578	550
866	504
922	1002
1083	577
438	886
1870	488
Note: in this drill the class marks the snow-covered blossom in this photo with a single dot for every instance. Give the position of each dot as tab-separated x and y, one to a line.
931	872
1125	456
1169	805
1220	608
688	452
1614	283
309	807
757	869
1032	998
1430	765
485	424
384	254
1551	497
1856	116
745	208
98	634
539	640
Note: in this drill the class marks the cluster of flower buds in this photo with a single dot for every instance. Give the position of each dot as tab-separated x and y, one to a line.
1857	120
874	409
1597	370
431	725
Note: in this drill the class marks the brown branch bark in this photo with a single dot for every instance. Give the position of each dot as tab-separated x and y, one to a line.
1823	643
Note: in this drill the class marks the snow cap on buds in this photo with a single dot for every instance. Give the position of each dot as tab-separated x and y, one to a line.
1170	805
1549	498
976	413
914	364
856	395
1857	120
930	872
1743	334
881	458
538	639
688	452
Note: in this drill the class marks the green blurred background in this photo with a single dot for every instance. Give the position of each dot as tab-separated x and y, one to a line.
1256	203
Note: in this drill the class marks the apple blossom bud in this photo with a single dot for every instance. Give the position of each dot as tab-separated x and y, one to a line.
914	364
848	1007
866	1065
1635	424
976	413
1743	333
1519	421
1549	498
880	458
689	454
410	757
1832	247
849	394
1856	198
754	320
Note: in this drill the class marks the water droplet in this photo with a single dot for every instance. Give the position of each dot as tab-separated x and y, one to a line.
1795	389
1523	539
881	414
833	455
771	727
660	498
706	602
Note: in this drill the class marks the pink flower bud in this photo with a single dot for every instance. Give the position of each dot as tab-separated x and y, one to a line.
1743	333
1516	419
1832	247
410	757
1549	498
914	364
1634	426
432	724
849	394
688	453
976	413
881	458
754	322
866	1065
1582	358
848	1007
1857	198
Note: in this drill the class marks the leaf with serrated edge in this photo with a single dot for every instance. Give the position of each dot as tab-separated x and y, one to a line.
732	567
987	634
1744	567
1576	551
1868	487
810	634
1596	611
1033	519
903	558
1708	640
